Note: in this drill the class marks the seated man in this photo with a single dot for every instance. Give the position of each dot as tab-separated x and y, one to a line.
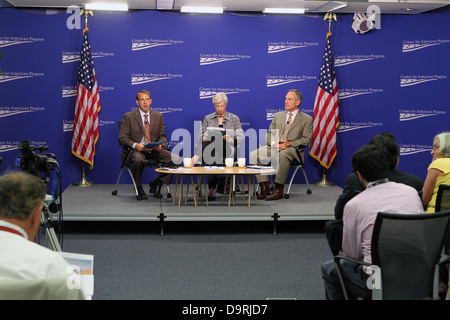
294	128
21	200
140	127
333	228
371	165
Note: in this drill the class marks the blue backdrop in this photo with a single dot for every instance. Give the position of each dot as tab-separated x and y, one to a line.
395	79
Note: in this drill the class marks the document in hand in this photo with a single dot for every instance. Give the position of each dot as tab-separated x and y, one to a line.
213	131
153	144
82	269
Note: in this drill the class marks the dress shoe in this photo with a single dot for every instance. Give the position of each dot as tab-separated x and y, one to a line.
141	195
264	190
155	188
277	193
212	194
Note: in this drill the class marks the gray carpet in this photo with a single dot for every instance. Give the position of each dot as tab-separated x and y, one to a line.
212	252
96	203
202	260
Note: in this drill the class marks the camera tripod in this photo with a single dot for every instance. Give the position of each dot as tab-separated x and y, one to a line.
47	224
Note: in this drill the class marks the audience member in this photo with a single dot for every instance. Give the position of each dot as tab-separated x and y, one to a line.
21	200
139	127
222	125
281	143
333	228
438	170
371	165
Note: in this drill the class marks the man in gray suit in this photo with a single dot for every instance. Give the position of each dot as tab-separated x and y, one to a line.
288	129
132	134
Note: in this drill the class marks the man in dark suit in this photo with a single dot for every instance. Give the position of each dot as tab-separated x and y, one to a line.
333	228
132	134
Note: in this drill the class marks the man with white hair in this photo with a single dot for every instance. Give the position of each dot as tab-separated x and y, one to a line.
289	129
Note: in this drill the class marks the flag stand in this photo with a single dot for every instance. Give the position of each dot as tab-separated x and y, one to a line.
83	182
324	182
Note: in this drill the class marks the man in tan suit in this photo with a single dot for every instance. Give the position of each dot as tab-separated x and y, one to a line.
132	135
288	129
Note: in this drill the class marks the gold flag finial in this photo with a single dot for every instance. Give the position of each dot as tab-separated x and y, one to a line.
330	16
86	14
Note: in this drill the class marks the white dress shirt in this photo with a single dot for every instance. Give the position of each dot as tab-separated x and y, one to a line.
24	259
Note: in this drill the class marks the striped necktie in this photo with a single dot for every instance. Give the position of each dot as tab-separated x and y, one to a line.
147	129
286	127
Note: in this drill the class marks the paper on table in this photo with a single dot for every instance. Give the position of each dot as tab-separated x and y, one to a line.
83	265
260	167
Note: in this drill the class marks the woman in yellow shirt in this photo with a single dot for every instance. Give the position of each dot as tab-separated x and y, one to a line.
438	171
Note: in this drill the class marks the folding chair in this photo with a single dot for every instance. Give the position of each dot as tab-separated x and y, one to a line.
298	164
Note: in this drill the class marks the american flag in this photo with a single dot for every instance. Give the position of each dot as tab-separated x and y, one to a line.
87	106
326	112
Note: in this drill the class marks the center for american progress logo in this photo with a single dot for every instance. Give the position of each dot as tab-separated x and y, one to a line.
414	45
213	58
144	44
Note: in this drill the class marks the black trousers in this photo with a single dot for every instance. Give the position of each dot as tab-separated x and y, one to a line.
333	231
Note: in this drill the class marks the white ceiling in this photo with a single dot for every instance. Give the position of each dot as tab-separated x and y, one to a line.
312	6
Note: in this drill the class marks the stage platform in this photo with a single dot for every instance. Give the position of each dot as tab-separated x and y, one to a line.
96	203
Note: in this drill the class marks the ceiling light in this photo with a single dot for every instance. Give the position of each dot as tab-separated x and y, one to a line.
202	9
106	6
331	6
284	10
408	9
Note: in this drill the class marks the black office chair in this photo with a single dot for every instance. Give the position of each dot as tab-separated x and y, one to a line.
406	249
151	163
443	198
443	204
298	164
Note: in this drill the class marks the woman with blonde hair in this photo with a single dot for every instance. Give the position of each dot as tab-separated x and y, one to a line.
438	171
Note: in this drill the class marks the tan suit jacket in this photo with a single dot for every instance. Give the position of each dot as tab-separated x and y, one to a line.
300	131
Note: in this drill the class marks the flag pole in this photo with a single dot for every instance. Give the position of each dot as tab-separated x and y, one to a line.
86	15
324	182
83	181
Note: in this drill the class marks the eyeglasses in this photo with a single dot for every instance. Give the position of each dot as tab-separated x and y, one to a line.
220	106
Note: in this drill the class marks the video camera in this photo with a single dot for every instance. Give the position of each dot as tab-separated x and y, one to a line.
40	164
34	163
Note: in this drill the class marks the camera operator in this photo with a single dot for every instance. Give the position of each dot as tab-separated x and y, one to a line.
21	200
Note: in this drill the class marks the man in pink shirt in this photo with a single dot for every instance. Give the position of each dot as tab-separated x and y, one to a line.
371	164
